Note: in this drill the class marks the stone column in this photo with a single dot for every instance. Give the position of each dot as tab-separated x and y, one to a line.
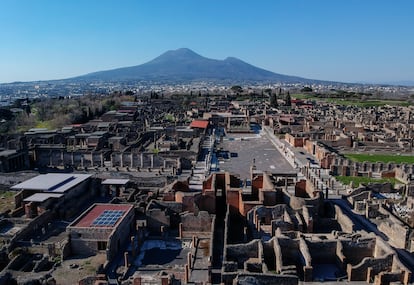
180	230
126	261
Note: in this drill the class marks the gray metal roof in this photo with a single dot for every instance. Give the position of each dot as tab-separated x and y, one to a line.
41	197
52	182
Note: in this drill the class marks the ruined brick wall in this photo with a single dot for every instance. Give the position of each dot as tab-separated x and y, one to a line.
365	195
268	197
344	221
206	202
233	200
360	272
37	223
157	218
208	183
388	277
323	251
257	183
356	250
196	224
300	189
289	252
396	232
294	141
241	252
327	161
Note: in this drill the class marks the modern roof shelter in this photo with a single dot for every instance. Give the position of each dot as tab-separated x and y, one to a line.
52	182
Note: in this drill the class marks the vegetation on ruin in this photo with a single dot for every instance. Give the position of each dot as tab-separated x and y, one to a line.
53	113
368	157
357	180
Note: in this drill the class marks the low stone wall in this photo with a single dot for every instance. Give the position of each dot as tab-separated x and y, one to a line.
369	267
265	279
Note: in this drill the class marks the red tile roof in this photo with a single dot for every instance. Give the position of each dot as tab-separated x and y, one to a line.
87	220
199	124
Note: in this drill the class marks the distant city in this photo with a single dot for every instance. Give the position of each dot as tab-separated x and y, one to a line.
183	71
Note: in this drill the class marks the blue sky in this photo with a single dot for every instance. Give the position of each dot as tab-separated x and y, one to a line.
341	40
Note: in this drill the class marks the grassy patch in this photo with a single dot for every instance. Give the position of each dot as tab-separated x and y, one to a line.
364	180
6	200
381	158
169	117
44	125
352	102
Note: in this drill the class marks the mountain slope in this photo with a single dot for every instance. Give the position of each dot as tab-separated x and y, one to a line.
185	65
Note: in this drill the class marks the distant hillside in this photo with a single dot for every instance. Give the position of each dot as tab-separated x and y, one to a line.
185	65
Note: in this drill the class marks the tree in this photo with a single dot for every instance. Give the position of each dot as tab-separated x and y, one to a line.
273	100
237	89
288	100
306	89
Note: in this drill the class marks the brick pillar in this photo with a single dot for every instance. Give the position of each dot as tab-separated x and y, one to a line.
189	260
137	280
186	274
407	277
165	280
307	273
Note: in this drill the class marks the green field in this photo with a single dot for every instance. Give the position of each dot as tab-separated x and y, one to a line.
352	102
409	159
364	180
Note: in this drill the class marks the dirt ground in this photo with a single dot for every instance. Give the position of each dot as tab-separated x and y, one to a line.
74	269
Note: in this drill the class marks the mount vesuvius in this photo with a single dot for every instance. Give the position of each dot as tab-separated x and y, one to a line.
184	65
